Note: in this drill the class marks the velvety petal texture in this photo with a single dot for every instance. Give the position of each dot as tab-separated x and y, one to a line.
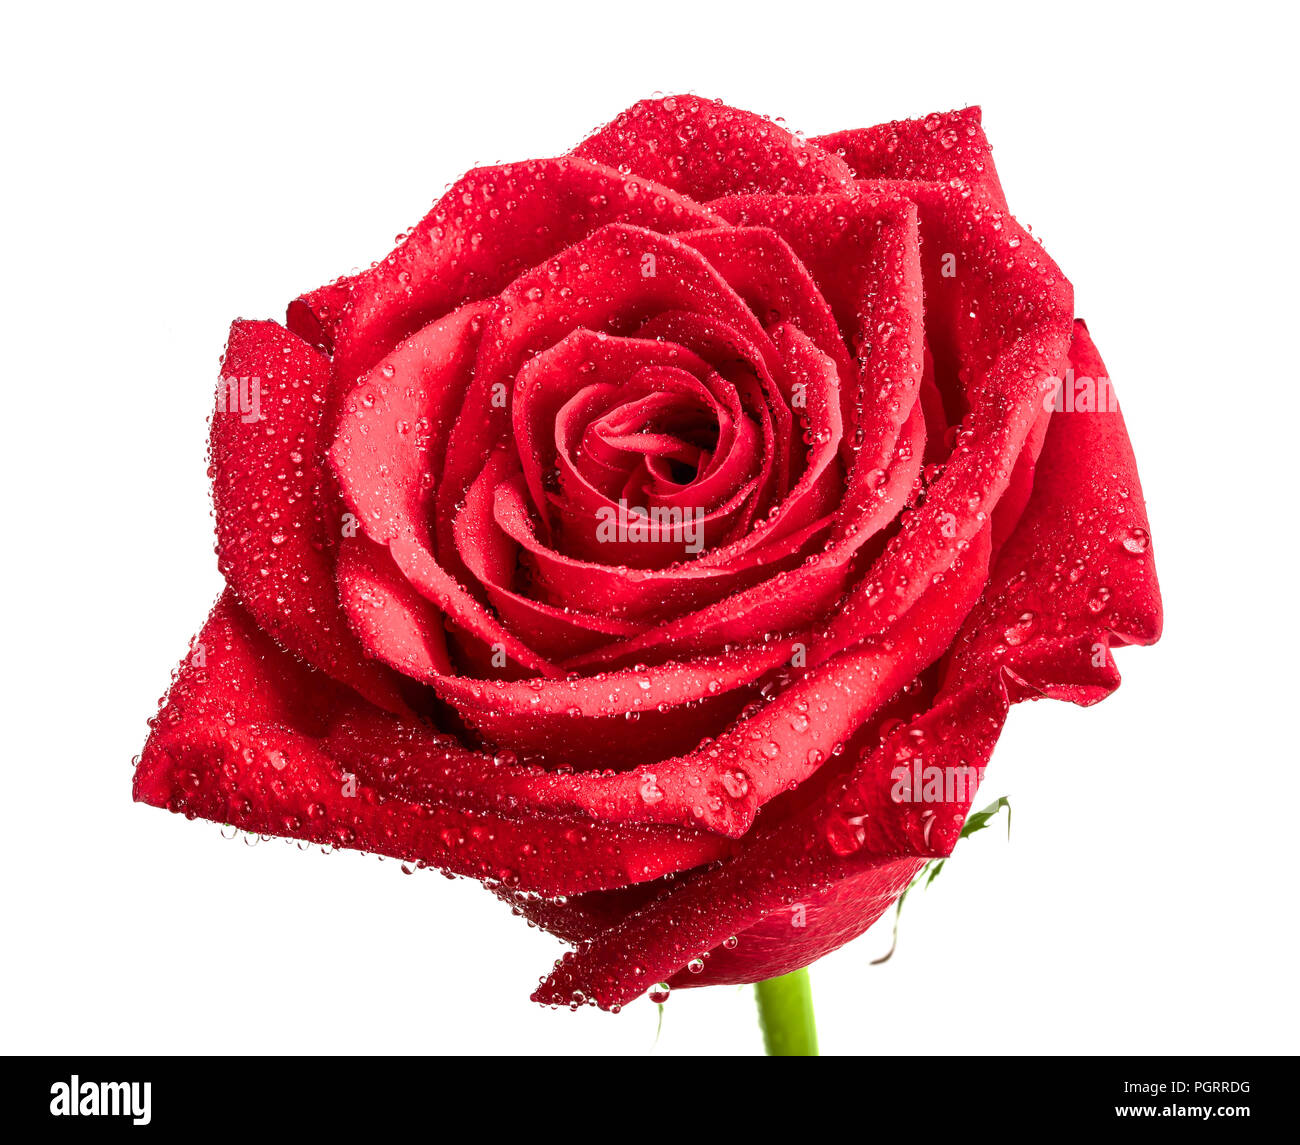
634	534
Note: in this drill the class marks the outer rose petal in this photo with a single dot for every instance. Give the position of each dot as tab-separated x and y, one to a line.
278	518
937	149
247	737
706	149
314	316
807	928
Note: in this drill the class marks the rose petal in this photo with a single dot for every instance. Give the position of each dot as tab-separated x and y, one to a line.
277	517
314	316
392	426
938	148
597	283
243	739
704	149
491	225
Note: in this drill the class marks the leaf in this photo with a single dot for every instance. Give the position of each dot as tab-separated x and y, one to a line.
898	911
976	821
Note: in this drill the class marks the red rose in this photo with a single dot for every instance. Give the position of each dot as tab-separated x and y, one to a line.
636	534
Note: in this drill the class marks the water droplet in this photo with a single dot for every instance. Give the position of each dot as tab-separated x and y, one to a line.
1136	540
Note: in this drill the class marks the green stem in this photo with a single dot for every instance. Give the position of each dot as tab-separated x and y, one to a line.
785	1013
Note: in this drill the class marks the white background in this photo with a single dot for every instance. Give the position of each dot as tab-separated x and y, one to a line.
167	169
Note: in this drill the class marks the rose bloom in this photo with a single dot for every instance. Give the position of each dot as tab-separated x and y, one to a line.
637	532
